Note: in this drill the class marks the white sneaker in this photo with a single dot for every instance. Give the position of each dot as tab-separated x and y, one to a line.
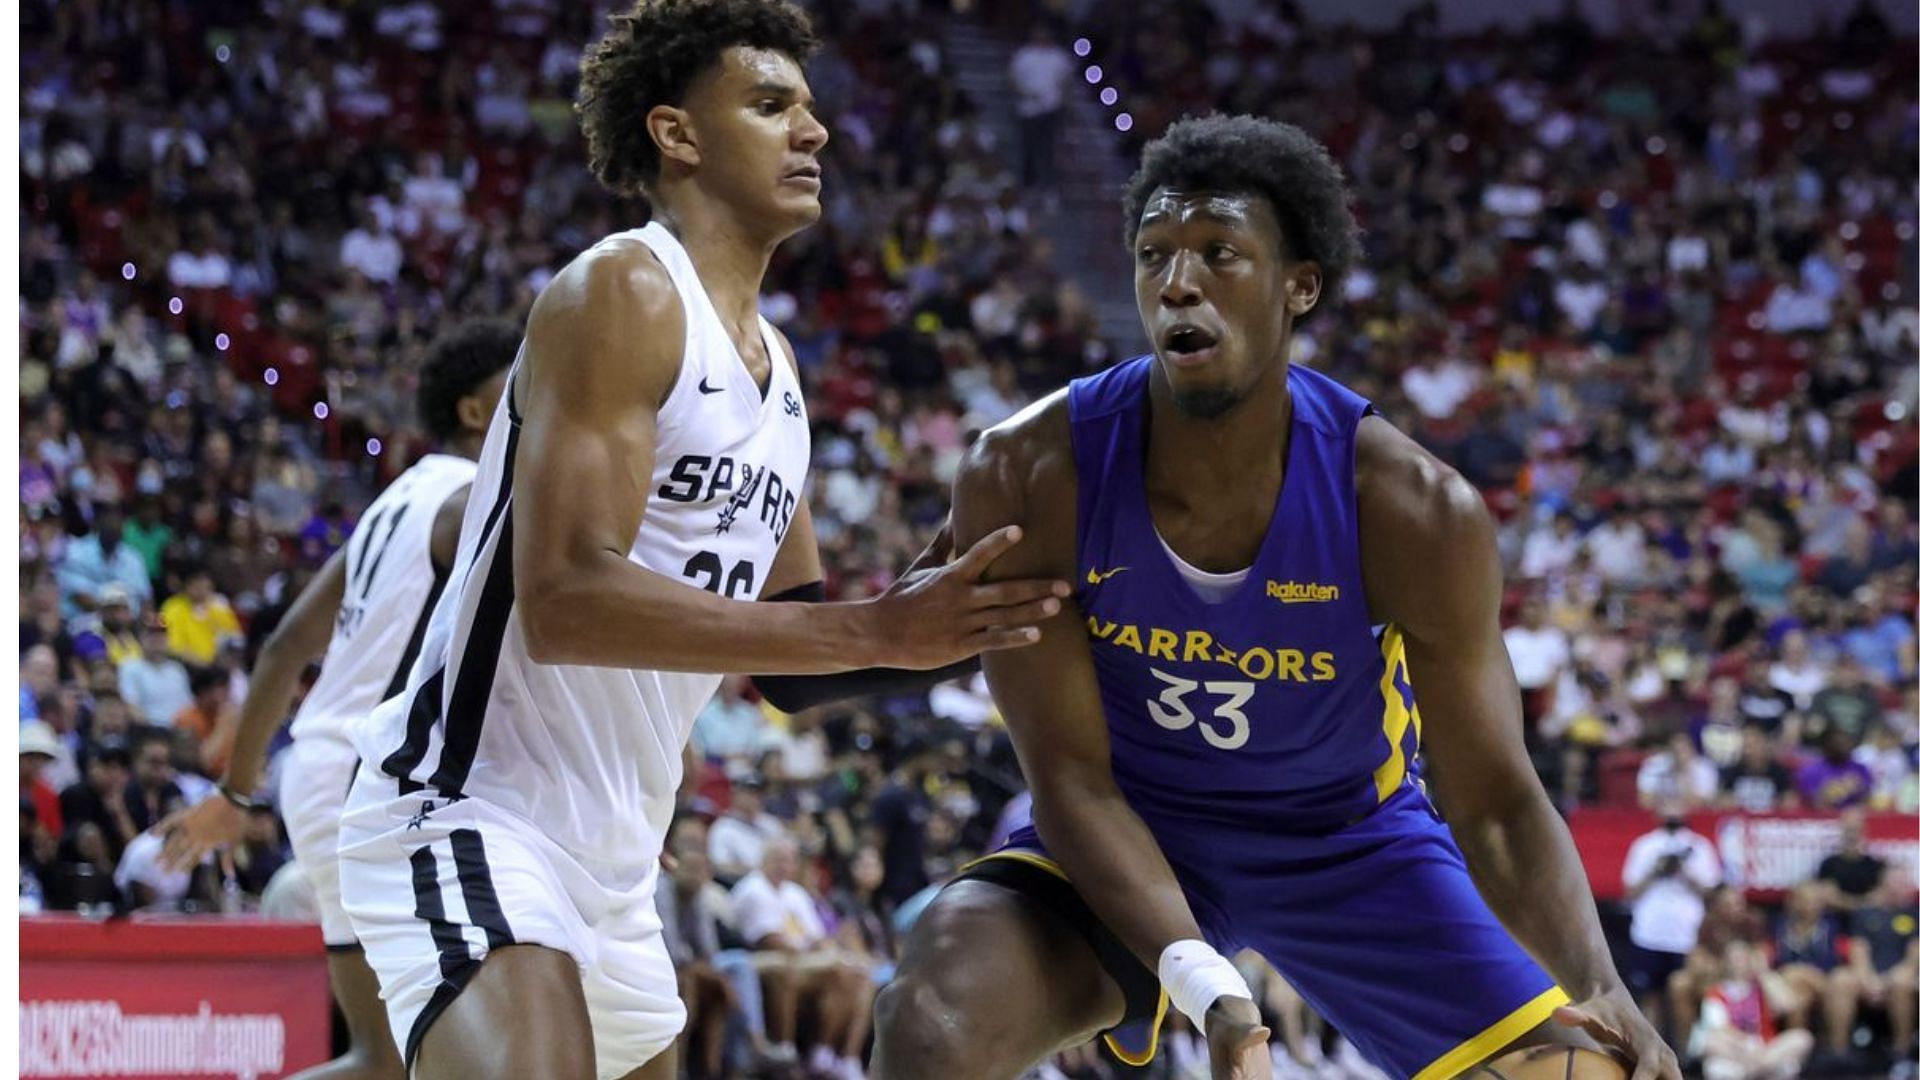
823	1061
850	1070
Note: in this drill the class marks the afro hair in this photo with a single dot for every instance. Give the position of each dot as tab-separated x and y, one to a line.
651	56
1278	161
457	363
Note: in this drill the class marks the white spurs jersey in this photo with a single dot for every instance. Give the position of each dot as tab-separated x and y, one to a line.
591	755
390	592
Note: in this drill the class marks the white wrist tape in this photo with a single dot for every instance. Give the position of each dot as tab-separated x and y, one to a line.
1195	976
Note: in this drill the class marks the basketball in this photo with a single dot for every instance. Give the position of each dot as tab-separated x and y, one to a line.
1552	1063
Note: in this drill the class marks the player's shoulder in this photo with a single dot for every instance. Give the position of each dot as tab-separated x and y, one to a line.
616	299
619	280
1029	451
1401	483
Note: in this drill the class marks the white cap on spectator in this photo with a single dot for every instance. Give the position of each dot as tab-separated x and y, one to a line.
38	737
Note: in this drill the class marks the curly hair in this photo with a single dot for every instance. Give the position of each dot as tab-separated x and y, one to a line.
651	56
1280	162
457	363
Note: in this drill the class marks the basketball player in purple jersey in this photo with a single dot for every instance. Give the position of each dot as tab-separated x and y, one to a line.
1221	731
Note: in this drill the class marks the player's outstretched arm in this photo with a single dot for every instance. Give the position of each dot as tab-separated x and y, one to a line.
1023	473
302	636
1518	850
602	354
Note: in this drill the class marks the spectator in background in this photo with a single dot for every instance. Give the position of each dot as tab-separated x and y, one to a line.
1881	639
1720	731
1539	652
198	619
1667	875
1890	763
1834	781
1040	71
211	720
1757	783
691	930
148	534
730	726
1852	871
109	633
900	816
1796	674
39	749
1729	919
1736	1038
155	683
738	840
799	963
370	250
1885	954
39	679
1550	548
1847	702
866	925
1678	776
262	851
1809	952
152	788
100	798
100	560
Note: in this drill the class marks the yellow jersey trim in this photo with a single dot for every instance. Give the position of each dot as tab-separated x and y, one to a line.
1028	857
1395	716
1160	1010
1500	1033
1153	1037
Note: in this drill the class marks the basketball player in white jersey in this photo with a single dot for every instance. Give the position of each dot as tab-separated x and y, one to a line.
368	609
643	481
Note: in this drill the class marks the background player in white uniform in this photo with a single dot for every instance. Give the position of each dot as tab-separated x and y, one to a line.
642	480
368	609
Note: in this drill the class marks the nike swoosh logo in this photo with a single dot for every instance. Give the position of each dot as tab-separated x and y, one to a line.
705	389
1095	577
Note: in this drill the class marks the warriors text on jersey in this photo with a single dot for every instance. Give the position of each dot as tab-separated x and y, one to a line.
390	592
591	755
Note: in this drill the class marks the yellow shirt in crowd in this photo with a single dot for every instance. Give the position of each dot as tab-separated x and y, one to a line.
194	633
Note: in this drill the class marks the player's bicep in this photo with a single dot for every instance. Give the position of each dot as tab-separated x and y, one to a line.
1449	616
1048	691
598	365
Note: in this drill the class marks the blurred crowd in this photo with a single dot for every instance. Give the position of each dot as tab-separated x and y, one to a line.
1653	294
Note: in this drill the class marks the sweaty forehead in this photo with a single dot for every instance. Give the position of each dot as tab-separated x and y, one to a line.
743	67
1176	206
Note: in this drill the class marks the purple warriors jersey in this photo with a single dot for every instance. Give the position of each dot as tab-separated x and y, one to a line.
1281	706
1268	742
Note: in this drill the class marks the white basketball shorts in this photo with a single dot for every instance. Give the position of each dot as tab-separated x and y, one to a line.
432	886
313	791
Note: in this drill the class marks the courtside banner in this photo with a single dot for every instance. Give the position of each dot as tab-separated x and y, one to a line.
1766	854
206	997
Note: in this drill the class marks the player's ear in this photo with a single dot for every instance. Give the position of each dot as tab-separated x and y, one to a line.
672	131
1303	288
472	413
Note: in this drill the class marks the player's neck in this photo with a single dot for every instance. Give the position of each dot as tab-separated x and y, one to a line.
1247	443
730	257
467	446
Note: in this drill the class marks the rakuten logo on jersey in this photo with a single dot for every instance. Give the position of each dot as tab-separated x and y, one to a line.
94	1038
